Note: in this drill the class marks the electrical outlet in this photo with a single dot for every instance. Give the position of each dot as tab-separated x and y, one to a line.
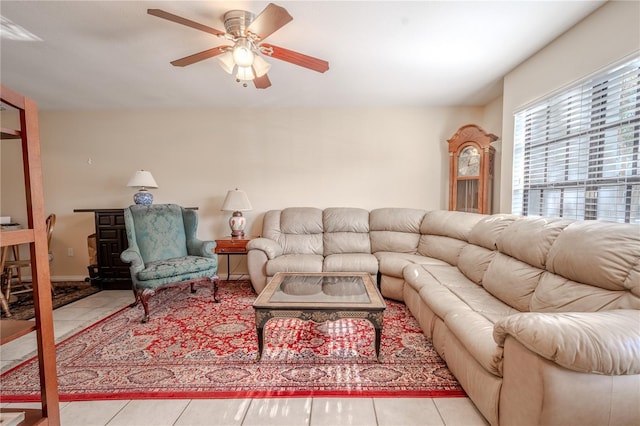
70	252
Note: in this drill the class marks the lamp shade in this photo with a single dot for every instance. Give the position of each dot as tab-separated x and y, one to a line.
226	61
245	74
260	66
142	179
236	201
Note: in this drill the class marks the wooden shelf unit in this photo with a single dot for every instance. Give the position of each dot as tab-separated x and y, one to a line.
12	329
36	236
10	134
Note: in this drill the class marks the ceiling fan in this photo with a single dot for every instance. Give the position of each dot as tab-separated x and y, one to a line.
247	34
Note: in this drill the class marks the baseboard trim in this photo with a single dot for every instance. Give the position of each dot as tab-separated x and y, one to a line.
68	278
234	276
58	278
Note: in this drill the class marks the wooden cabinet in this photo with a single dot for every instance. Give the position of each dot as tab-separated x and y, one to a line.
36	236
111	240
471	164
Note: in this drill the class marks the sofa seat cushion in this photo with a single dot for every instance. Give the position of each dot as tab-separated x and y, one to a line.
475	332
458	287
295	263
467	310
392	264
351	262
175	267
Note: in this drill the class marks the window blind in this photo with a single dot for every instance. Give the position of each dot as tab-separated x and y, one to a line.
576	153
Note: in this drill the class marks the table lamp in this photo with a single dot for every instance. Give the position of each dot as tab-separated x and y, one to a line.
237	202
142	179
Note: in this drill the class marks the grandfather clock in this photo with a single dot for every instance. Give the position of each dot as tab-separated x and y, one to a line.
471	161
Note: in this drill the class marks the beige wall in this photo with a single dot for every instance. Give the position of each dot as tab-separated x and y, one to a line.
365	158
290	157
493	124
606	36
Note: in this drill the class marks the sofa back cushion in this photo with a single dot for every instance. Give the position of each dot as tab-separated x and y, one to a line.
517	266
592	266
474	261
485	233
346	230
512	281
444	234
474	258
555	293
395	229
530	238
297	229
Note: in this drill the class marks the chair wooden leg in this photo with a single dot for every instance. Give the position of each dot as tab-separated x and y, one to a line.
214	282
193	288
137	298
7	294
144	298
5	305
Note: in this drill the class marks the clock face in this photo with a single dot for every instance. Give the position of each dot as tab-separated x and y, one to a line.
469	162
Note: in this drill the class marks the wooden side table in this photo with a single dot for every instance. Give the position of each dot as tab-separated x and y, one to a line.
232	246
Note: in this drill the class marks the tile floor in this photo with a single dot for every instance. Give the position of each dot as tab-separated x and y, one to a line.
248	412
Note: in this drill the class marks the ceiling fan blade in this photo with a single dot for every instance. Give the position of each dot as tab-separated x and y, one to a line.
296	58
270	20
180	20
262	82
197	57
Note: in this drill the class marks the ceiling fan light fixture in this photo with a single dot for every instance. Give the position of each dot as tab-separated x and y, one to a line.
245	74
260	66
247	33
226	62
243	55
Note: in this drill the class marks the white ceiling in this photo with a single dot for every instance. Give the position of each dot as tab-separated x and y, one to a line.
113	55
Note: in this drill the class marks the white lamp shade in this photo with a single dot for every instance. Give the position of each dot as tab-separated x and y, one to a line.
226	61
260	66
245	74
142	179
236	201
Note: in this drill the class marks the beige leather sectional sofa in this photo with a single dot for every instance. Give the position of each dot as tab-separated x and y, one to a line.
538	318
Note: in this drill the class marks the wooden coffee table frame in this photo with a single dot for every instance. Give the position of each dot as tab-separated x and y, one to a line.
319	312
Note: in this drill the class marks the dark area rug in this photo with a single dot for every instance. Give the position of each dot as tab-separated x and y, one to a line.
65	292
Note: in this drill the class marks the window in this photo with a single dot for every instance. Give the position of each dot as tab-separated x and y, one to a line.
576	153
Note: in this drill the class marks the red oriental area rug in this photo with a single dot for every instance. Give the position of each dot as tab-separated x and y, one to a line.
195	348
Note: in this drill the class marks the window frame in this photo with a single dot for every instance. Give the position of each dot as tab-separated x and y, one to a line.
566	145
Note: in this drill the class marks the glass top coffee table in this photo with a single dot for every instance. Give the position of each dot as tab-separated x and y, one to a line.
320	297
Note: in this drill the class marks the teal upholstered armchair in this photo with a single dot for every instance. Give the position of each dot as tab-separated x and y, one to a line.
164	251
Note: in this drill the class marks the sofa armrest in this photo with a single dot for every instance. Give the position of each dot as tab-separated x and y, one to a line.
269	247
605	342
